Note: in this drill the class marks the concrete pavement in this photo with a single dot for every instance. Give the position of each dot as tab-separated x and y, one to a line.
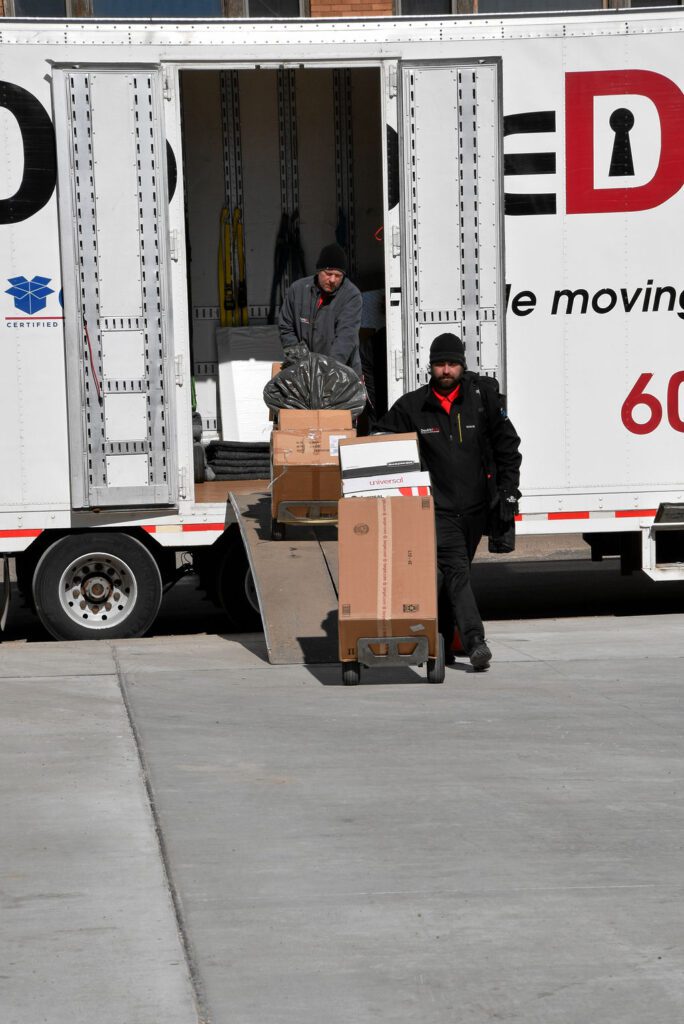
507	846
88	931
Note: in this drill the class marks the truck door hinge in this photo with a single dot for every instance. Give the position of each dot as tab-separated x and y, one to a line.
182	482
168	85
180	371
173	245
398	365
392	81
396	241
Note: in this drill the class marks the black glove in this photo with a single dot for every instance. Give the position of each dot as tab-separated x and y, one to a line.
294	354
508	504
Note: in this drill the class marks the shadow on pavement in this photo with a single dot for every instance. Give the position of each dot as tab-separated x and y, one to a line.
509	590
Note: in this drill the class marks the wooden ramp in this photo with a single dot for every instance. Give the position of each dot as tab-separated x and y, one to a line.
296	583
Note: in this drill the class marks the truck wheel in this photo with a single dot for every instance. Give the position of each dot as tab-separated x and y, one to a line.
436	669
97	586
236	589
351	673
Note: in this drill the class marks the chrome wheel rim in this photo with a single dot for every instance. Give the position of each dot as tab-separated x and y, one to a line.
98	591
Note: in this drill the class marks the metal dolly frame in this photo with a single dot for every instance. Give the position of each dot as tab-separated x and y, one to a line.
285	515
420	655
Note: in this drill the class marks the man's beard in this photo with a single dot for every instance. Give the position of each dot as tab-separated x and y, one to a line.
445	384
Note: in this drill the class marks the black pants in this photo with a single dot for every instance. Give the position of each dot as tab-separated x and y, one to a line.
457	540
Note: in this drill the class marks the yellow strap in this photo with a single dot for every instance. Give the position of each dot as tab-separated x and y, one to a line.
242	313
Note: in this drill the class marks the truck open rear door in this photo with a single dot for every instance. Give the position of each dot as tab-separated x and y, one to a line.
451	144
113	236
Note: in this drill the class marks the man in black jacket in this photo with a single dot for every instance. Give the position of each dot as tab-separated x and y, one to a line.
471	450
323	312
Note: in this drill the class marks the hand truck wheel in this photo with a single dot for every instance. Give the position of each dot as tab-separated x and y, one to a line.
277	530
436	667
351	673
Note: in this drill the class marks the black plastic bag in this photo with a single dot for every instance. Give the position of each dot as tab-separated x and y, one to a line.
316	382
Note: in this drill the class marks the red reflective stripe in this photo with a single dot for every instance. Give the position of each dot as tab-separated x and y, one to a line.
628	512
191	527
567	515
186	527
518	518
20	533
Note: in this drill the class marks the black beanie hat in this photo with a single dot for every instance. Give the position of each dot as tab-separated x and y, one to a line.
447	348
332	257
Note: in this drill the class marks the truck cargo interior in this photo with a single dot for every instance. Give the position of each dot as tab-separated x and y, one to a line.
277	163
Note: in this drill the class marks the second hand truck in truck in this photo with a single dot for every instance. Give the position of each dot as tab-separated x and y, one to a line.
123	142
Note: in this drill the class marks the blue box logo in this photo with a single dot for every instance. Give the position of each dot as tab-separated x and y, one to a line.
30	296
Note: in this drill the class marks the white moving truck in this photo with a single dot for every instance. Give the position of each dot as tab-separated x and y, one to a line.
412	140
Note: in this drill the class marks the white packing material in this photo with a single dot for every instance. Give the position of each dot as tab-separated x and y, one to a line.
206	391
245	358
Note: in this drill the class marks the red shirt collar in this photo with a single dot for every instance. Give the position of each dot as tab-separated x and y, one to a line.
446	401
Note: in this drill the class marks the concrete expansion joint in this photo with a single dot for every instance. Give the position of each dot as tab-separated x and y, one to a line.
203	1015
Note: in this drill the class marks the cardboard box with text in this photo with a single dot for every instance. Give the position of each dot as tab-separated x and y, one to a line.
303	420
305	466
387	571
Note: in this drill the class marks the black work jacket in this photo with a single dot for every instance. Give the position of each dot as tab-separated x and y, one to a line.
331	329
471	453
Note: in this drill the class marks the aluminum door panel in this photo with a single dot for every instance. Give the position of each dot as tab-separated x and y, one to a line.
113	107
113	206
452	212
434	170
123	355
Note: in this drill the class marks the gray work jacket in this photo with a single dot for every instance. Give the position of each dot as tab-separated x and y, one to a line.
331	329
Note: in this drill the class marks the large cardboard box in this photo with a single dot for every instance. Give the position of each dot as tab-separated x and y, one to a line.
305	467
384	458
387	571
303	420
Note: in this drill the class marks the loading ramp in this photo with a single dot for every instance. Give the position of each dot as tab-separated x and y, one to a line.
296	583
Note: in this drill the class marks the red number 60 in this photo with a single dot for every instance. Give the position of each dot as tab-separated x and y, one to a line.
636	397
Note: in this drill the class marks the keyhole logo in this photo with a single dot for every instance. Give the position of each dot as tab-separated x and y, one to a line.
627	141
624	144
621	163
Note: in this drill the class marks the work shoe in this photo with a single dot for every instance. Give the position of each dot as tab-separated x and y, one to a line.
480	655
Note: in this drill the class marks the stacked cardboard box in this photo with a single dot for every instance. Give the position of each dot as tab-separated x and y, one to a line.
305	464
386	465
387	547
387	572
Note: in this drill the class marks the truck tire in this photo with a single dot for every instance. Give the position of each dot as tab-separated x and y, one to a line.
97	586
236	590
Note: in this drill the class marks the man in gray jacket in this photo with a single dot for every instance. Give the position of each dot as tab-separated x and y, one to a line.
323	312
